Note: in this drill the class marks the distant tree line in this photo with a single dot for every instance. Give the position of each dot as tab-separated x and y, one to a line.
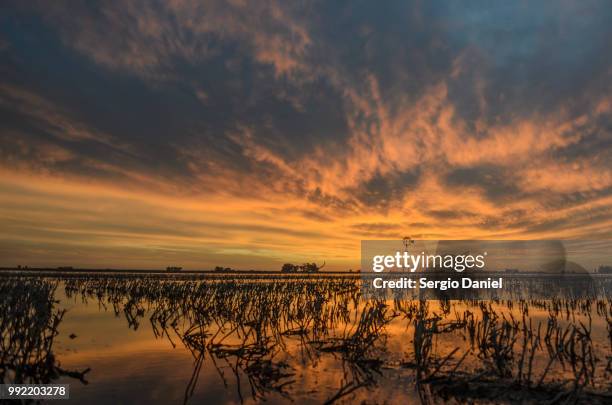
301	268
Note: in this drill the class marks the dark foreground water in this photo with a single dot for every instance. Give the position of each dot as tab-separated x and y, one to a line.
138	339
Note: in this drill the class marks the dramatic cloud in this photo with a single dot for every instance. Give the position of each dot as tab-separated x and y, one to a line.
142	133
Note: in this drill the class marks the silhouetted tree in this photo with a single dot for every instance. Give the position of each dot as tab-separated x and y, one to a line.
301	268
289	268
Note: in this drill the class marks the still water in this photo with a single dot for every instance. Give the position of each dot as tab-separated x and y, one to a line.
314	340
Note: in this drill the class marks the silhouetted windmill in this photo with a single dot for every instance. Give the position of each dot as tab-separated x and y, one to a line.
406	242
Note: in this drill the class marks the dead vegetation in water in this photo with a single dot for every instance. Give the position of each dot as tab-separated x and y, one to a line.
506	349
29	325
500	351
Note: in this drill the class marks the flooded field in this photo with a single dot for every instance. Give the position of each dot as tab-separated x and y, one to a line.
144	339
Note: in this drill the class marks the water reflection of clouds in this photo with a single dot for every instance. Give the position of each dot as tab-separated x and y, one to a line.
311	338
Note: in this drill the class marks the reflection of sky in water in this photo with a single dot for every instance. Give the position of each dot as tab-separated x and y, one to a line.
134	366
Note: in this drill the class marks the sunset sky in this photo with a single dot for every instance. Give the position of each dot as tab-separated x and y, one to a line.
143	134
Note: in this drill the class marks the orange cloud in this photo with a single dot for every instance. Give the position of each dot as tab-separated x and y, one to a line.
252	134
